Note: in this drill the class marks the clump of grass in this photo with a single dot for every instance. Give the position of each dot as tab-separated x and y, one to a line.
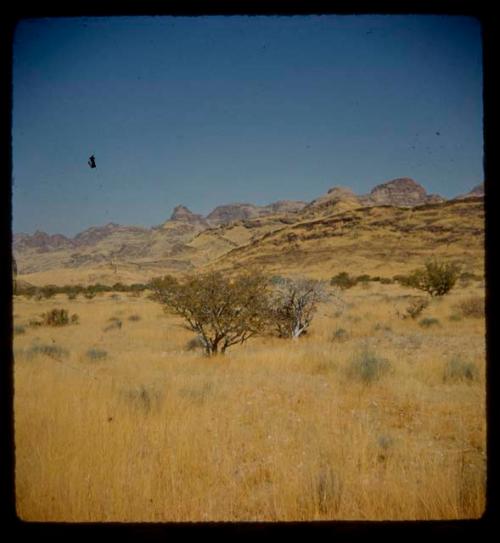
96	354
340	335
457	369
53	351
35	323
323	367
428	322
327	490
385	444
454	317
197	395
19	329
72	295
116	324
382	327
368	367
194	343
417	305
143	397
473	306
75	319
134	318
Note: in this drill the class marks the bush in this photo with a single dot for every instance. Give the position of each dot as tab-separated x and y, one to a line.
19	329
292	305
222	310
436	278
428	322
340	335
53	351
134	318
386	281
367	367
458	369
343	280
363	278
194	344
116	324
56	317
474	306
416	307
75	319
96	354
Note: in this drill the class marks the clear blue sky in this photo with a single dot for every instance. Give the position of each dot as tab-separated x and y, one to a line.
204	111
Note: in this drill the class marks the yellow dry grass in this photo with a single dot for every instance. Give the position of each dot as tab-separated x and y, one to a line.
274	431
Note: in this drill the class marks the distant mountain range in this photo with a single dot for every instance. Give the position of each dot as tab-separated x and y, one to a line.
187	240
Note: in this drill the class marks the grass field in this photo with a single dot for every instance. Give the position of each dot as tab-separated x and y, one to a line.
115	420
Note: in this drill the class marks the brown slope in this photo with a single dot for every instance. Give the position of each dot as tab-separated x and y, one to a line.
381	240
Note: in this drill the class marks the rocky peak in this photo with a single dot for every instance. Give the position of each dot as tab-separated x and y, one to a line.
233	212
403	192
182	213
476	192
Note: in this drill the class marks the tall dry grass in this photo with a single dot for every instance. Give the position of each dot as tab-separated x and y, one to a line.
276	430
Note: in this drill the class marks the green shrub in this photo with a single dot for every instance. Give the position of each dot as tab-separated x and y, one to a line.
436	278
363	278
343	280
457	369
454	317
368	367
386	281
428	322
473	306
19	329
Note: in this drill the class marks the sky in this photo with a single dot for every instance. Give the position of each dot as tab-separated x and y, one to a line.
204	111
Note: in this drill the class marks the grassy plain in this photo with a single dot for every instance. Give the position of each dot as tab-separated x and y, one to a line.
120	422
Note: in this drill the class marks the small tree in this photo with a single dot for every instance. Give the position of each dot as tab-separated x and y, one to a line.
293	304
222	311
436	278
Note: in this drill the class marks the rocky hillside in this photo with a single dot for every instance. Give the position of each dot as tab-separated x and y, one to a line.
235	233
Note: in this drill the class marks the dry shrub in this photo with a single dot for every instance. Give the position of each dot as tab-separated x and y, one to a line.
473	306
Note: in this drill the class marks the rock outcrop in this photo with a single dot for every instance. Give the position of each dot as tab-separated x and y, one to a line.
401	192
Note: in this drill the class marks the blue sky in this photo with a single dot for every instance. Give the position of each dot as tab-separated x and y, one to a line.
204	111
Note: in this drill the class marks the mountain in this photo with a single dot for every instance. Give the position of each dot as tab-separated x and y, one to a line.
476	192
401	192
271	235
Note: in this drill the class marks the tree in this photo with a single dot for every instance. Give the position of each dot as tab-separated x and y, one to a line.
222	311
436	278
293	304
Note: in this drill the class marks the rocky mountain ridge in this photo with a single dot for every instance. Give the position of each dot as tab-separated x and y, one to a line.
188	240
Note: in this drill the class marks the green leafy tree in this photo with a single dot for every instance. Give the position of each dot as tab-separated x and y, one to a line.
222	311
